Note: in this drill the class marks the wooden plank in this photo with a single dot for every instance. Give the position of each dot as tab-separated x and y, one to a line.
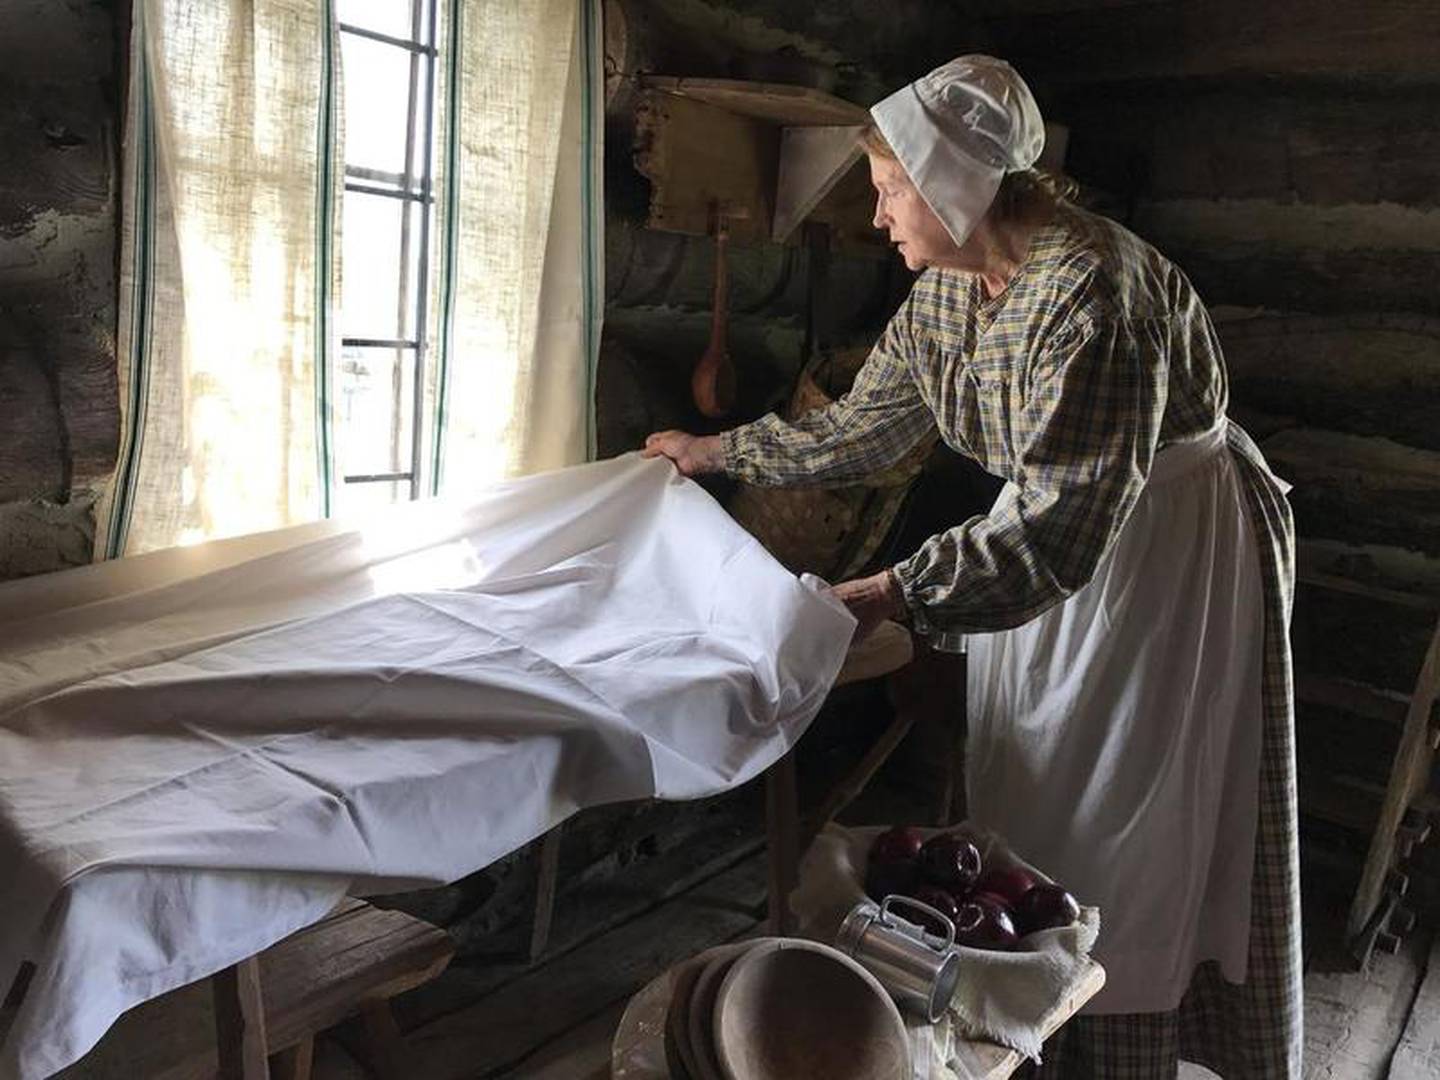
240	1042
696	156
501	1030
1409	777
319	976
582	1053
1352	1020
589	914
1417	1057
987	1061
812	161
775	103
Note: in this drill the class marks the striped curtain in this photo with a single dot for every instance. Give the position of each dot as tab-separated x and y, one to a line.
520	277
230	272
227	274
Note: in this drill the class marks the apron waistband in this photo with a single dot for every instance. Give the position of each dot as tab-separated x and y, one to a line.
1178	459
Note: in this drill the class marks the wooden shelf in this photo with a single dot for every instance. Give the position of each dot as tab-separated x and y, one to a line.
766	155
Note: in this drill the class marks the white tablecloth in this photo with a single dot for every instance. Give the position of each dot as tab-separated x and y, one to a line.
201	750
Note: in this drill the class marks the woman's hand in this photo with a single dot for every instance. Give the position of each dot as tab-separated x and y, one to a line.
692	454
871	600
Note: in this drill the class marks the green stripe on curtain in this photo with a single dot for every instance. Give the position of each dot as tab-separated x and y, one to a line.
324	251
448	240
591	76
142	254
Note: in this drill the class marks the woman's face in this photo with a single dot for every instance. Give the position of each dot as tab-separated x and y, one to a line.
903	213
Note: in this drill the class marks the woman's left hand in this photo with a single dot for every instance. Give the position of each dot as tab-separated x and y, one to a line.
871	600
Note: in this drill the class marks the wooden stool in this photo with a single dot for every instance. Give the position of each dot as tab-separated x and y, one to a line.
269	1007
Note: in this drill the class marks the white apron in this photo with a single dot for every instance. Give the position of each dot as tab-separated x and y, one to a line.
1115	740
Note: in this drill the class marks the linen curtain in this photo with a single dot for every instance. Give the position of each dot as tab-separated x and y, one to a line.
230	270
520	319
227	272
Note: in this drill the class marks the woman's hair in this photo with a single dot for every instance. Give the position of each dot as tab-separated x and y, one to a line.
1020	192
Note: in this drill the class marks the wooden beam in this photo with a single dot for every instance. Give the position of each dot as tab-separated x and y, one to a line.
775	103
1389	40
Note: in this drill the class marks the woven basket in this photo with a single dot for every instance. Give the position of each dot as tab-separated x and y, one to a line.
834	531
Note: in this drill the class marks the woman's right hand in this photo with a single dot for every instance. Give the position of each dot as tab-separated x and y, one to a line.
692	454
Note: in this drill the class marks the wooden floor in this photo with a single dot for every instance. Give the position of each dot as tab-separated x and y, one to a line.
488	1018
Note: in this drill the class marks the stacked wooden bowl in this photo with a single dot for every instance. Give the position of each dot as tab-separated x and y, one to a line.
782	1009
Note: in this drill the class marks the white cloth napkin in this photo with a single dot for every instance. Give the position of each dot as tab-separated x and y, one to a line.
1004	997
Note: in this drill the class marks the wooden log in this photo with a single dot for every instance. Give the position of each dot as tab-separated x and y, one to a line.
1366	489
1312	143
1384	40
1359	375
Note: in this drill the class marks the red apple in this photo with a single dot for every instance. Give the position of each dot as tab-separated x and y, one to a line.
891	878
1045	907
1010	883
985	896
938	898
983	924
899	844
950	861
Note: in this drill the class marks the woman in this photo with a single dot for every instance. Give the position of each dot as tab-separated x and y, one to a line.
1125	602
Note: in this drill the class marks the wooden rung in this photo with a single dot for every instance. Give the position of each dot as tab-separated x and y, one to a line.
1402	920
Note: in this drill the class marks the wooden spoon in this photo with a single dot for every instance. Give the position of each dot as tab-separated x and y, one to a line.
712	384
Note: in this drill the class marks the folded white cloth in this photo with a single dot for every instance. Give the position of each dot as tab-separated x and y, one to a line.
1003	997
200	752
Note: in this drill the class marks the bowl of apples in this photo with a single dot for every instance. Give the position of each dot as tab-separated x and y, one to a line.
991	906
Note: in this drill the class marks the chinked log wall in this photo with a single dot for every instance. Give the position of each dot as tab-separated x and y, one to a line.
59	414
1286	154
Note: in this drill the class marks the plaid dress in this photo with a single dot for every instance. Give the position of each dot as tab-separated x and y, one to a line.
1096	357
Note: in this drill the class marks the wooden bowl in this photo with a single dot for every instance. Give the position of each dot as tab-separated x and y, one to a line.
679	1055
790	1009
702	1009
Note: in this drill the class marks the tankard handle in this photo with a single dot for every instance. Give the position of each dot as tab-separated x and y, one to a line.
918	905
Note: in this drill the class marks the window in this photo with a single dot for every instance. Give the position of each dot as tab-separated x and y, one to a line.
389	61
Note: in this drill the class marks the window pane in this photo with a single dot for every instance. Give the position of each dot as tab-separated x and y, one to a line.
375	410
379	271
390	17
377	102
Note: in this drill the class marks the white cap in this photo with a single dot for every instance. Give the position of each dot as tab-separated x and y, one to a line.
958	131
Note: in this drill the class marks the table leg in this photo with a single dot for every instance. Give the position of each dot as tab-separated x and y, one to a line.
782	826
240	1022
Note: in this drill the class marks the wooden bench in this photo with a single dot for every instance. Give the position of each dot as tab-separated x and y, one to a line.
269	1008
